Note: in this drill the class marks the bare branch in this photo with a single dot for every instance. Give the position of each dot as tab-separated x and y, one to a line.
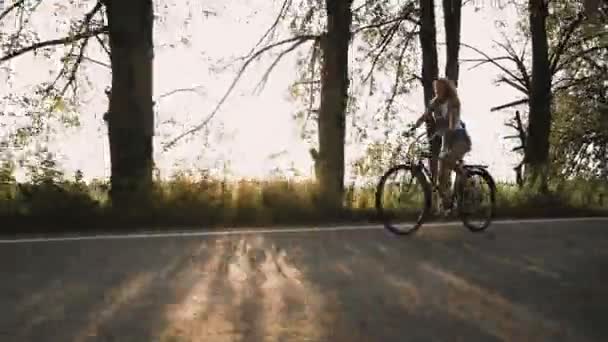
23	19
398	20
519	61
525	76
276	61
399	73
521	132
520	129
11	8
520	80
179	90
233	85
89	16
482	61
103	45
308	82
509	105
513	84
71	70
84	27
55	42
94	61
398	76
386	40
524	47
273	27
72	76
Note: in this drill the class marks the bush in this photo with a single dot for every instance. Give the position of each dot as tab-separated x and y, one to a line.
209	202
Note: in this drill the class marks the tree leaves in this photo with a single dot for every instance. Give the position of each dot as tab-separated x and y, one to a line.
580	129
58	105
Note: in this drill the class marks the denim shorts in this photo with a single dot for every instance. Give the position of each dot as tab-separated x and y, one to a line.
457	137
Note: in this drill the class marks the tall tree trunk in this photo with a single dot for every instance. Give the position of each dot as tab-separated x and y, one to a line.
451	13
430	72
428	43
539	122
130	116
334	96
451	23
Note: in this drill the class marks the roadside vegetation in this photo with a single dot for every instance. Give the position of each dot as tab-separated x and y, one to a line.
52	202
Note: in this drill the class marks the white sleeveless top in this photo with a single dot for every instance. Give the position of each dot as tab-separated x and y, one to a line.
441	112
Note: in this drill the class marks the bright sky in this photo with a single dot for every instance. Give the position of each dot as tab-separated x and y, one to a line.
250	127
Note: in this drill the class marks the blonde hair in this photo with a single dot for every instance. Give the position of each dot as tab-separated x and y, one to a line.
450	95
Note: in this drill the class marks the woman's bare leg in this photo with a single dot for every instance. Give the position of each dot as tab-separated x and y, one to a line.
446	165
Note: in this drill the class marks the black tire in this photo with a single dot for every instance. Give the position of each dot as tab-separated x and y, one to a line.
465	216
386	218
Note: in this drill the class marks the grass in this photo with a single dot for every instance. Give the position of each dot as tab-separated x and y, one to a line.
185	202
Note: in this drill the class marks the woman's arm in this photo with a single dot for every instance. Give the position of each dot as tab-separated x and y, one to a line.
427	114
421	119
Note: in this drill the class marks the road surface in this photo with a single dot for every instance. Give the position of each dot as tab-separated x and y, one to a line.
520	281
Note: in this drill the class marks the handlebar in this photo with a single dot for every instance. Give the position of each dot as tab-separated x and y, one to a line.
415	143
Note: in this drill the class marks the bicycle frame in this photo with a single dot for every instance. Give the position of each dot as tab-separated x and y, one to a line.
413	163
417	160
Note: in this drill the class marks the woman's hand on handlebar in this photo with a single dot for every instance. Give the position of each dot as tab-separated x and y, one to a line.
409	132
419	121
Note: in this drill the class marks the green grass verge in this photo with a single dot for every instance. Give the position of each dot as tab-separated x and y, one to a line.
185	203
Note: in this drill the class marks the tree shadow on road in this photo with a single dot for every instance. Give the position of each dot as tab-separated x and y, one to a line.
254	296
90	290
446	284
442	284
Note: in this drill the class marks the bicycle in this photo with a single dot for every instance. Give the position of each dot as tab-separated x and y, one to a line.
464	196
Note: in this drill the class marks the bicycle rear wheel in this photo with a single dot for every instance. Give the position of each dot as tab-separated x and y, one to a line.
403	193
477	199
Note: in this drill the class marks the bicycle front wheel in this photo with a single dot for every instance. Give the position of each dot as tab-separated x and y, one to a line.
403	195
477	199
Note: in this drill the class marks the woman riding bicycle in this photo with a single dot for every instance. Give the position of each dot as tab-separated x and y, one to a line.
444	110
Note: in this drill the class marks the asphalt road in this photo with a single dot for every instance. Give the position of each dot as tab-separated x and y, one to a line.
519	281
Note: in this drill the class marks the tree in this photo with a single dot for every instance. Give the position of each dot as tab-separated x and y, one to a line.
328	28
130	116
334	96
35	112
576	51
580	109
430	72
452	19
330	160
539	116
